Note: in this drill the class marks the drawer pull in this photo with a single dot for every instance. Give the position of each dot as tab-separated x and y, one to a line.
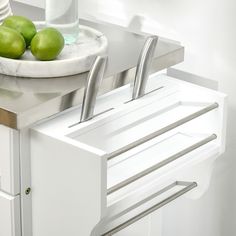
143	67
160	164
188	186
163	130
94	80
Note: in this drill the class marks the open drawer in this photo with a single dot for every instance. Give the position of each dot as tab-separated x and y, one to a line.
86	173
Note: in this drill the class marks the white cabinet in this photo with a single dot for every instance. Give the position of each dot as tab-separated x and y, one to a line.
9	161
101	176
68	196
9	183
9	215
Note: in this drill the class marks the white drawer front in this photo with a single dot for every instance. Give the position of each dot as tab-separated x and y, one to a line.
9	161
9	215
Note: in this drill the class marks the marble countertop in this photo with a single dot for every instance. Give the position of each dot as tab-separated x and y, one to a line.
25	101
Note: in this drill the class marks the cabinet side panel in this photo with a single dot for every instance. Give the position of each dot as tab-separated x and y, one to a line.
9	160
9	215
16	220
68	188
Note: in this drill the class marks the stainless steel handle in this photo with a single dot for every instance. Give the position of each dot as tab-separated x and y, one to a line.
143	67
162	131
188	186
160	164
94	80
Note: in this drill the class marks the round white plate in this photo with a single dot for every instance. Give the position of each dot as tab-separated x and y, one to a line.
4	10
74	59
3	4
5	14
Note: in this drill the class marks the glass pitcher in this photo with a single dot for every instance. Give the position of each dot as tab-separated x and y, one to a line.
63	15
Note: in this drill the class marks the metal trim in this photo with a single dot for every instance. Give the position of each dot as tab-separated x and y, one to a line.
189	186
160	164
162	131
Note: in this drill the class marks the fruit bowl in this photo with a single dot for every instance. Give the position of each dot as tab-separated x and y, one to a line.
74	59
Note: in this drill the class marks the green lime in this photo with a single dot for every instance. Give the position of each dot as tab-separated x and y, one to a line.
12	43
47	44
23	25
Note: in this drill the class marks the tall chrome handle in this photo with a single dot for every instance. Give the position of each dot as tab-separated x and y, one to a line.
160	164
143	67
94	80
189	186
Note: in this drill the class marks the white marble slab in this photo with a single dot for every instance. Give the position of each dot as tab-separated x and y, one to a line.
74	59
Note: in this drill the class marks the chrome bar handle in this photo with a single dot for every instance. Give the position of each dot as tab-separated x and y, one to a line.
160	164
163	130
95	77
188	186
143	67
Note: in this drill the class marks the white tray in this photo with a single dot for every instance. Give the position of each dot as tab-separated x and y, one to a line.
74	59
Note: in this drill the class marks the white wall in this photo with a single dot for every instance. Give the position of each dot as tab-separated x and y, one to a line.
26	10
208	31
199	25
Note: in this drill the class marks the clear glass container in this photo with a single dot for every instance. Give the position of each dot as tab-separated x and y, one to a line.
63	15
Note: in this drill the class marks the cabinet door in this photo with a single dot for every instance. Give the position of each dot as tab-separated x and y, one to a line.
9	161
9	215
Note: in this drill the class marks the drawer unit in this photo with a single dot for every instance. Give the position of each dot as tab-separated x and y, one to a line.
100	176
9	215
9	161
